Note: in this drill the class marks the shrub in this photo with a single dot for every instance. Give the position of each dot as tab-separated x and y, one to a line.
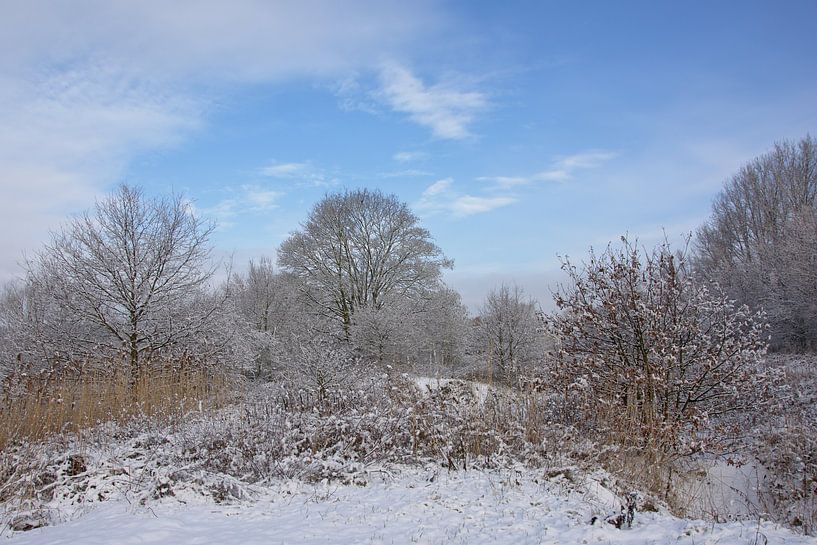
647	356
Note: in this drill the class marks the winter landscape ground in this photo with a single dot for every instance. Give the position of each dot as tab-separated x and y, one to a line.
401	505
253	472
392	272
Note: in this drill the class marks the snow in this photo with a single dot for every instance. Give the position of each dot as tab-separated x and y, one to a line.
402	505
720	490
479	390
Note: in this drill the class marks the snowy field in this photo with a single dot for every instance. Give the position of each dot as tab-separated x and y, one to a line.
400	506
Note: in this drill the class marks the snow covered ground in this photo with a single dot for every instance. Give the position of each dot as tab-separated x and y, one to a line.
479	390
401	505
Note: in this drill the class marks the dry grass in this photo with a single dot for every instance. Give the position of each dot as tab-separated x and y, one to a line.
37	405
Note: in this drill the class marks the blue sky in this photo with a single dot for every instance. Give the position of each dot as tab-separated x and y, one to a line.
516	130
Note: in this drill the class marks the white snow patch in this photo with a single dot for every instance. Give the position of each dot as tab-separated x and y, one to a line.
722	491
479	390
403	506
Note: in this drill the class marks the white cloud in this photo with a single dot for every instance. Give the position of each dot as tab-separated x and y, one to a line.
260	198
65	134
409	156
285	170
408	173
441	197
440	186
354	97
561	170
212	41
246	199
589	159
508	181
87	87
444	109
302	174
467	205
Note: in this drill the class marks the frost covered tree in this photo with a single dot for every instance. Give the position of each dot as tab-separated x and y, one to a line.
265	298
760	243
24	315
130	278
31	325
511	332
317	362
428	334
443	332
384	334
356	250
646	353
260	296
269	311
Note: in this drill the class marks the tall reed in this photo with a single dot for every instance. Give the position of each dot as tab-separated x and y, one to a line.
36	405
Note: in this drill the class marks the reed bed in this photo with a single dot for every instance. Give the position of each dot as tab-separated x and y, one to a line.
36	405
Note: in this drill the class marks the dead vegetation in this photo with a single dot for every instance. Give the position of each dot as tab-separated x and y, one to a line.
36	405
277	431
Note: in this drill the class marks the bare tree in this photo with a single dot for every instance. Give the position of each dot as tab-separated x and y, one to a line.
132	274
265	297
317	362
35	330
385	334
442	331
511	331
760	244
269	310
426	334
358	248
646	353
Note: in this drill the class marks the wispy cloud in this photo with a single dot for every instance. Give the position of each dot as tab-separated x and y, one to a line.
407	173
409	156
65	133
440	186
441	197
285	170
305	174
353	96
589	159
260	198
467	205
85	88
443	108
561	170
244	199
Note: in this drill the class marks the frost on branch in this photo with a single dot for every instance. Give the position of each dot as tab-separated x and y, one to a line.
648	356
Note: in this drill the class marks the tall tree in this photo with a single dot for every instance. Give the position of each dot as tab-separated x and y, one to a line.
511	331
359	248
264	297
269	311
131	272
760	243
428	334
443	330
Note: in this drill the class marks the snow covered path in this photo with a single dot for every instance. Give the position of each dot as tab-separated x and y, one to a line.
415	506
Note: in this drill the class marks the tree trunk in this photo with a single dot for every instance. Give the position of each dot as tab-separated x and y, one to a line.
135	370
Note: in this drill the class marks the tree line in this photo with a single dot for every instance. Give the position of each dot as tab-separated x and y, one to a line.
131	281
760	243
